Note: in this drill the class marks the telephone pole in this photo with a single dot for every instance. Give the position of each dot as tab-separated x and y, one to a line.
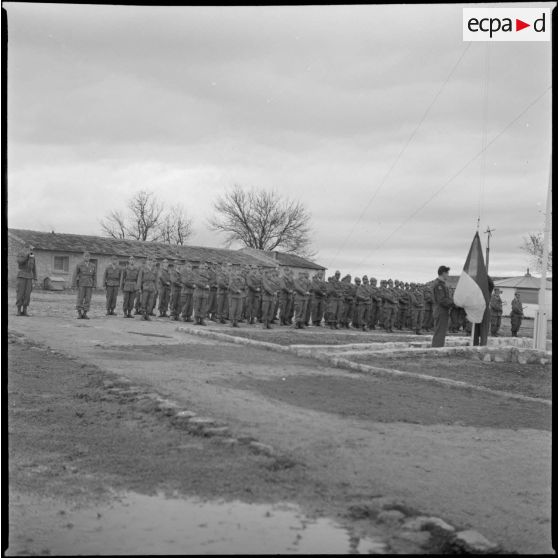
489	232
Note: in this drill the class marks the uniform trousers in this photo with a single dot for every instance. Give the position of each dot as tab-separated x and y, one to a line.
441	320
164	298
24	288
186	304
128	304
84	298
112	293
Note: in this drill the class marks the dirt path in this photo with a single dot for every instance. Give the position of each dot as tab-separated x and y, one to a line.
476	461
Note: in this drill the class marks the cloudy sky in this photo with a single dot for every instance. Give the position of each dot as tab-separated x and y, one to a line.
372	116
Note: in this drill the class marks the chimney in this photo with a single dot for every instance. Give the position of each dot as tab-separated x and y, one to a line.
527	274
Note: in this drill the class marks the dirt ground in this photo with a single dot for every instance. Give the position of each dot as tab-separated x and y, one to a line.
340	439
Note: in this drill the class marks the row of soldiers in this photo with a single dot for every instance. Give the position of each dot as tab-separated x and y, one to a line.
251	293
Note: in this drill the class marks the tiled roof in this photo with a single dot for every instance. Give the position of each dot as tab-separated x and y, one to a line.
282	258
523	282
59	242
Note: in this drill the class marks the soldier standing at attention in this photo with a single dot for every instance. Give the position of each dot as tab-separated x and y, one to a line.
164	284
252	295
362	299
442	304
428	305
128	284
85	279
496	312
318	288
368	304
269	290
147	285
516	314
284	292
236	290
222	292
111	282
27	273
418	308
375	303
212	294
175	290
188	286
201	294
157	269
403	306
389	305
301	287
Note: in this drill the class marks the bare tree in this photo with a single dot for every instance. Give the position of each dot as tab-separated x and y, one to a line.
114	225
175	227
533	245
148	220
263	220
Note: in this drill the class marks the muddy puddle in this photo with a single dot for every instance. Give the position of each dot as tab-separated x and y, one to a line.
140	524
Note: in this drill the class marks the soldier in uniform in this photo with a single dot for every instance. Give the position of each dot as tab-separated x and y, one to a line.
375	303
128	285
362	299
175	277
368	304
111	282
212	295
201	294
516	314
418	308
301	287
157	269
403	306
286	287
442	303
428	306
187	288
222	293
270	286
236	287
349	291
253	285
147	285
318	288
496	311
164	283
85	279
389	305
27	273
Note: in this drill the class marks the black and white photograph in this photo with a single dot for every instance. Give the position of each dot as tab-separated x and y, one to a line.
277	278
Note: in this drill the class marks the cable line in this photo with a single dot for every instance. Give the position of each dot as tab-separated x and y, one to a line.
471	160
410	138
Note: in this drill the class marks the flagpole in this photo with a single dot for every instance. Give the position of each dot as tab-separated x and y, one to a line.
539	337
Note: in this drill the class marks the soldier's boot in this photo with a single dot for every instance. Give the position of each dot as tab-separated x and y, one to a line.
202	322
267	325
222	321
235	323
80	315
19	311
24	312
418	332
84	315
108	312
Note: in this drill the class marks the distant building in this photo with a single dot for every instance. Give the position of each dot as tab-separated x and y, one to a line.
282	259
57	254
528	288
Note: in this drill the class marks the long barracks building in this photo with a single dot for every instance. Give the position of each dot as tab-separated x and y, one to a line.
57	254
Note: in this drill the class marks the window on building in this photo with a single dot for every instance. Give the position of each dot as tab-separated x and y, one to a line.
528	296
61	263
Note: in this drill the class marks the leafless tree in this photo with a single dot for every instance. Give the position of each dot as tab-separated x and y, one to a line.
114	225
147	219
533	245
264	220
175	227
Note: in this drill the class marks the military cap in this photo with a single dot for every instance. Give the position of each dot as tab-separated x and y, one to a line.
365	277
443	269
357	279
413	285
373	279
406	284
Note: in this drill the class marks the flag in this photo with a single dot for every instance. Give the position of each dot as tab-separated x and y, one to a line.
471	292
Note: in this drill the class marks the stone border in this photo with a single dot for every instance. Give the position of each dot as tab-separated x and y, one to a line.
340	362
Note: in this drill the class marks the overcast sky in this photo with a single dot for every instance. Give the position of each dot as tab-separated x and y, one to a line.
321	103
